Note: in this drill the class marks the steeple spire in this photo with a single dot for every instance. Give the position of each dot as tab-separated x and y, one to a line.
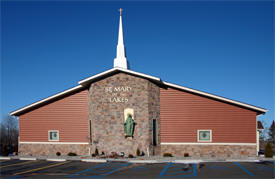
120	60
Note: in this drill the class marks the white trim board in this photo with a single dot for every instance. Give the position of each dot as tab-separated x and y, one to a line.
200	143
54	143
96	76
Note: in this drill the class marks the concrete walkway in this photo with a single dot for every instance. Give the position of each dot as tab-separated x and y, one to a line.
153	159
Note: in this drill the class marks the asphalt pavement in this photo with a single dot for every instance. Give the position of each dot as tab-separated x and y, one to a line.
12	169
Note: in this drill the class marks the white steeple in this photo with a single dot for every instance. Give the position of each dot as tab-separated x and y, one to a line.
120	60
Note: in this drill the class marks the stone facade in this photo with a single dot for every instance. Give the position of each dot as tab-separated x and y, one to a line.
51	149
221	151
108	98
154	113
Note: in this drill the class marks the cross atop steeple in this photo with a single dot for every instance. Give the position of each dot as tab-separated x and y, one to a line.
120	60
120	11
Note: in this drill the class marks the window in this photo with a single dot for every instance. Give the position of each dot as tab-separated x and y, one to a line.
53	135
154	132
204	135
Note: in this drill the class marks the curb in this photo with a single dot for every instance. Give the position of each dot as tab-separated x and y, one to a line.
27	159
94	160
144	161
56	159
188	161
5	158
237	160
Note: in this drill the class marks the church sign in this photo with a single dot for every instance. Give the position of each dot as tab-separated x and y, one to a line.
118	93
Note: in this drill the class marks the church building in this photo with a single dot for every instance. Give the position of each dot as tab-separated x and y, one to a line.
122	111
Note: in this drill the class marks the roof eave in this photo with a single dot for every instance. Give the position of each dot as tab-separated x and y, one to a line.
259	110
113	70
40	102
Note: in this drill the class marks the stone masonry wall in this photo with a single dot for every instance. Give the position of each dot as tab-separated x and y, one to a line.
154	113
107	100
51	149
222	151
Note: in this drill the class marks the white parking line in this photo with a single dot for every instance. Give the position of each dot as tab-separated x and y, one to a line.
5	158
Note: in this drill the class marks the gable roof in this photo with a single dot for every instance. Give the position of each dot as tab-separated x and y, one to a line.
45	100
115	70
112	71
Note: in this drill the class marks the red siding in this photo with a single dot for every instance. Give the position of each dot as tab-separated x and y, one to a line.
183	113
68	115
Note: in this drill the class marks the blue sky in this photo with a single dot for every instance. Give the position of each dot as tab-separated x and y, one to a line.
224	48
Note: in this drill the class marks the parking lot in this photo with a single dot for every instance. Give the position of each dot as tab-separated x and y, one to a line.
13	169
